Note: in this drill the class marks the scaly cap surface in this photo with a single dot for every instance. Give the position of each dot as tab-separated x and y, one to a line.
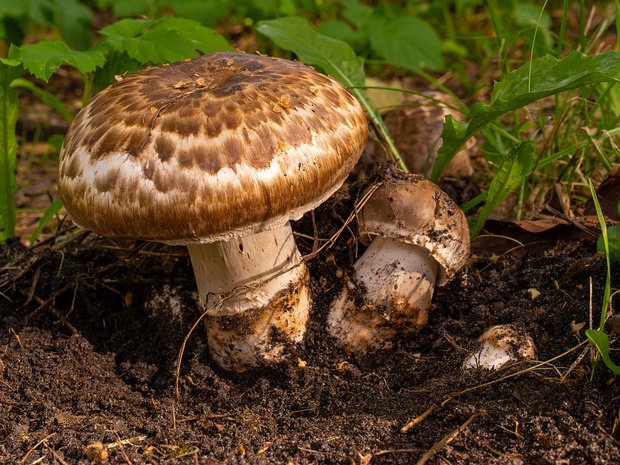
224	145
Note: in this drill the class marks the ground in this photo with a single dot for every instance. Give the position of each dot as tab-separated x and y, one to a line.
91	332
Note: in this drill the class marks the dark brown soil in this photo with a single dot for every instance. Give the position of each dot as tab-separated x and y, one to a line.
90	332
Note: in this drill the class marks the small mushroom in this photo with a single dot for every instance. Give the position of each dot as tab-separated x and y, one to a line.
416	126
417	239
219	153
499	345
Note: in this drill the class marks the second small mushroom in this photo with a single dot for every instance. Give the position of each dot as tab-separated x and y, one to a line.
417	239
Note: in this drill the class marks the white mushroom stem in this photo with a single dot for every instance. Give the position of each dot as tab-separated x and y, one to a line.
255	291
391	291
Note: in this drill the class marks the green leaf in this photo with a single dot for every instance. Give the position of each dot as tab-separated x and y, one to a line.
124	9
13	9
333	56
163	40
41	11
548	76
44	58
601	341
356	14
205	12
406	41
9	111
340	30
613	237
14	57
540	78
515	167
49	213
75	22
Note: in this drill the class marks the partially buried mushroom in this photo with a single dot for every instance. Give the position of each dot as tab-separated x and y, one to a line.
219	153
417	239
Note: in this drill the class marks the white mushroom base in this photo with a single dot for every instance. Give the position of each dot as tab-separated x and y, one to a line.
498	346
256	295
390	293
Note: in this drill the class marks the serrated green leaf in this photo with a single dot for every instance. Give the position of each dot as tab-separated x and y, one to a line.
163	40
44	58
601	342
541	78
9	111
406	41
514	168
334	56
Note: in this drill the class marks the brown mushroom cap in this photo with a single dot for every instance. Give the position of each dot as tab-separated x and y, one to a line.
224	145
411	209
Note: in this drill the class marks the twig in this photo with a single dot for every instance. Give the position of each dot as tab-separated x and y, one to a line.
56	455
122	449
419	419
447	439
129	441
32	449
396	451
16	336
47	302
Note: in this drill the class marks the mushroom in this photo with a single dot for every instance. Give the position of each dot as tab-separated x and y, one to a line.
499	345
218	153
417	239
416	126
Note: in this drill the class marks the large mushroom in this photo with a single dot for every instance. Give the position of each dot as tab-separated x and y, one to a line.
218	153
417	239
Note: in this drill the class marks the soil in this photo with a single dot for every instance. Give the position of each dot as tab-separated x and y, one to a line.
91	332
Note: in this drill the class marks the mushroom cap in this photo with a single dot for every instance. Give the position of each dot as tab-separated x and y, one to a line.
221	146
411	209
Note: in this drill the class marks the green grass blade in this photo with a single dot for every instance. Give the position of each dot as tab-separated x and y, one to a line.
598	336
46	97
9	111
604	234
515	167
49	213
601	342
